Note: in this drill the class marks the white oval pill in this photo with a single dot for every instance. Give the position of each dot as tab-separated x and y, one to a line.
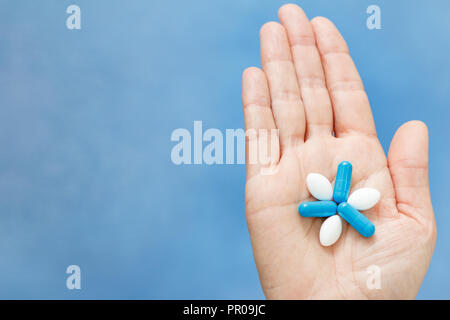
330	231
319	186
364	198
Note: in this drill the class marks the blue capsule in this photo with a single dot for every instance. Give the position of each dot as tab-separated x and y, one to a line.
342	183
317	209
356	219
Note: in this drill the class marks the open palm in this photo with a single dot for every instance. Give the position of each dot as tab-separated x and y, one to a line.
309	89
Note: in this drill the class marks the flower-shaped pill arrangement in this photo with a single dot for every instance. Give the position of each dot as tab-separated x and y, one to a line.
336	204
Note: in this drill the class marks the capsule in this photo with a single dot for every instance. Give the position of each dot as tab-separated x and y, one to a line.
342	183
319	186
331	230
317	209
356	219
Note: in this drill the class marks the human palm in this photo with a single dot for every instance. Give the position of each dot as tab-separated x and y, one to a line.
309	89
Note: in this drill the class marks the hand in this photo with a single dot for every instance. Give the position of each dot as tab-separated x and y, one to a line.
308	89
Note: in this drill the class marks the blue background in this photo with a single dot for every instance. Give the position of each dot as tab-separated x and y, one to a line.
85	124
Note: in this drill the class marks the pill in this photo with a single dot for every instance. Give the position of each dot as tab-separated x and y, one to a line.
319	186
330	231
317	209
342	183
356	219
364	198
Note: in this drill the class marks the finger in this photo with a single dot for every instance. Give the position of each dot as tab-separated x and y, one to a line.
408	163
287	106
310	75
351	108
258	118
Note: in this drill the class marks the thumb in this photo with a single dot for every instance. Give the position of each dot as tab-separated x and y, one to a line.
408	163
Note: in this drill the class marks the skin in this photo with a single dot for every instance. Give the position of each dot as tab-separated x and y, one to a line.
309	89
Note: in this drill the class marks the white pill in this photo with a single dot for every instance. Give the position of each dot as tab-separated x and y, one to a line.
330	231
319	186
364	198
